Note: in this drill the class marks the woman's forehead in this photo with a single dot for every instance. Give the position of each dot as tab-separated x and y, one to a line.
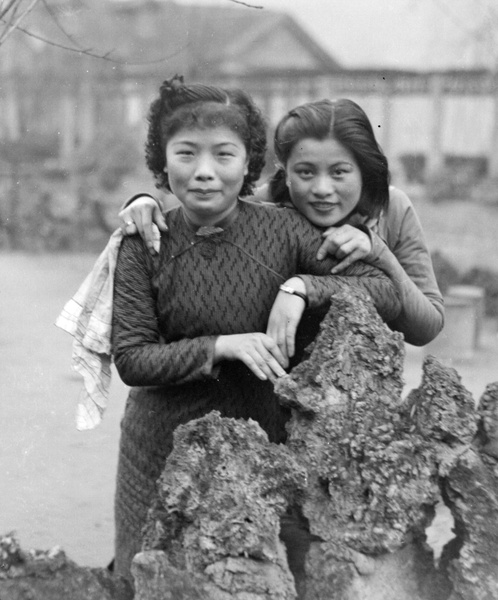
327	150
201	134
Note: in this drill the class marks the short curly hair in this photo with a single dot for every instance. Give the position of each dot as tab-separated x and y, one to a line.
181	106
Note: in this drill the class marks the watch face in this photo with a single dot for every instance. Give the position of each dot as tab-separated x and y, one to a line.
286	288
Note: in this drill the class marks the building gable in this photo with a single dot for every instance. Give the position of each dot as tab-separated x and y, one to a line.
271	51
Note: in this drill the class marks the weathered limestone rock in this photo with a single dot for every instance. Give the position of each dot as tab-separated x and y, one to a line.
471	488
375	462
364	486
351	493
51	575
221	496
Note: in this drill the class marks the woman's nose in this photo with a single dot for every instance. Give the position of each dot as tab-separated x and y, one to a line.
204	169
323	186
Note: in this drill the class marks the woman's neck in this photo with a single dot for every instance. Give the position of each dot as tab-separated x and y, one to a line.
195	221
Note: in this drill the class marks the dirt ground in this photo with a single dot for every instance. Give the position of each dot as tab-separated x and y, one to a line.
57	483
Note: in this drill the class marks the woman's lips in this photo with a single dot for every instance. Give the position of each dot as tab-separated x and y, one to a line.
323	206
203	193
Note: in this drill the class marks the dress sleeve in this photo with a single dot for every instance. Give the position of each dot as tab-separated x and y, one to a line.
408	263
320	289
140	355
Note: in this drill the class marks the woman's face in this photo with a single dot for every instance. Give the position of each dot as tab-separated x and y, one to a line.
206	169
324	180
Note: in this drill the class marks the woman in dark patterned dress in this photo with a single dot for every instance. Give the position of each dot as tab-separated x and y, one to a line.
188	323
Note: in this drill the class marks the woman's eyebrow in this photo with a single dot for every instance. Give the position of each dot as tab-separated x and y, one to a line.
183	143
227	143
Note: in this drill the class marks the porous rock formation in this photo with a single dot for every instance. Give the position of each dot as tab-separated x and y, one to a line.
50	575
377	465
216	521
352	491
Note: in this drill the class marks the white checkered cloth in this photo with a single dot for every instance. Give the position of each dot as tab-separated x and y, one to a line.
88	318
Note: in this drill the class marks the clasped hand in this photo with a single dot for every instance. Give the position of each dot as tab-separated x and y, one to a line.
257	351
347	243
144	216
267	354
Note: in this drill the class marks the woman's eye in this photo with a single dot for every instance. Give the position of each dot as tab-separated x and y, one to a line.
340	171
305	173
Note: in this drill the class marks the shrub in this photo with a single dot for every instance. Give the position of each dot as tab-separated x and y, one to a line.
488	280
447	274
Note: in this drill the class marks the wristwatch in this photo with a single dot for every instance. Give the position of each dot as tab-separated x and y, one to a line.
290	290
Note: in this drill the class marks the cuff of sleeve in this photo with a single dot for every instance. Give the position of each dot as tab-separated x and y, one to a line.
209	370
314	292
378	247
135	196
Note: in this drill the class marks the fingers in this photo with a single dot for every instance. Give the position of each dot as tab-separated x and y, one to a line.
334	238
145	229
285	316
143	216
278	335
272	357
276	331
265	359
283	332
290	337
129	228
158	218
329	245
347	243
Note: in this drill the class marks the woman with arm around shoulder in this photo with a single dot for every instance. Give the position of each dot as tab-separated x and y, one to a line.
321	147
189	322
317	145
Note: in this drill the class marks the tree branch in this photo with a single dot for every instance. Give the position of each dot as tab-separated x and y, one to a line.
246	4
12	26
54	18
90	52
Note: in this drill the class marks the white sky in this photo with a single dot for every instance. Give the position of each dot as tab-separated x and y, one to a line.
418	34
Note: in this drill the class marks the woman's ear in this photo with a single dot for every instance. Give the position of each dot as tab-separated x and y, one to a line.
282	173
287	179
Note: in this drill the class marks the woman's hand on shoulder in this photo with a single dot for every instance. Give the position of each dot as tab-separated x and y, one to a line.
345	242
256	350
285	317
144	216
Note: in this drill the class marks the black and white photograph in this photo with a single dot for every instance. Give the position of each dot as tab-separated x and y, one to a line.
249	299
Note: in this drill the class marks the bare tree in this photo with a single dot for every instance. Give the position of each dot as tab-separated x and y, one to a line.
12	13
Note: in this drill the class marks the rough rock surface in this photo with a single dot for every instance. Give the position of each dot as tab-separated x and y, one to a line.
351	493
52	576
471	489
376	463
221	495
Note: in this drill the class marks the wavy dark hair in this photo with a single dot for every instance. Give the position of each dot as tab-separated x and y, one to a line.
196	105
346	122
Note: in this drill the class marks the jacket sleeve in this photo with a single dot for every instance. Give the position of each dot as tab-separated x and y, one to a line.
405	257
127	202
140	355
